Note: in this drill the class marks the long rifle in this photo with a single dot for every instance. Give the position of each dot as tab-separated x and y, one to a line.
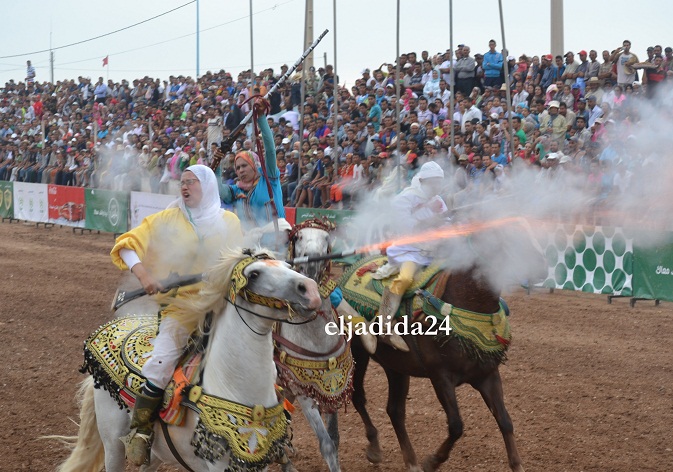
228	142
122	297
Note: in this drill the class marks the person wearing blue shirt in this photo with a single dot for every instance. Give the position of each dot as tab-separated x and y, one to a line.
374	112
250	196
492	65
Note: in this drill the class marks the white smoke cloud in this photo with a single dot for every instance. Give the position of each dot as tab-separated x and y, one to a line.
632	188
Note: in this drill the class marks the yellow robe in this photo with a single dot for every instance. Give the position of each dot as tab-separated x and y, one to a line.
166	242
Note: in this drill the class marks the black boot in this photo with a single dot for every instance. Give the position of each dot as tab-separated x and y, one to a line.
139	441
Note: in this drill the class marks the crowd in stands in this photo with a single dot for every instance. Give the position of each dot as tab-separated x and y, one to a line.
139	135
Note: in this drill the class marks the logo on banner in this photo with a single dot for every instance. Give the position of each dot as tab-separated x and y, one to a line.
113	212
6	199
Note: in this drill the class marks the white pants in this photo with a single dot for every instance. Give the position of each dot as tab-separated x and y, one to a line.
169	345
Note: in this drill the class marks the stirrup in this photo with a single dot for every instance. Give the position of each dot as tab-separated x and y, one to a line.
138	447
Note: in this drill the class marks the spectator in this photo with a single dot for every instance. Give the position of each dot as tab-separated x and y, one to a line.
493	63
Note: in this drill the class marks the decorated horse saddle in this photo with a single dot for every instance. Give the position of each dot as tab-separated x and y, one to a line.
480	334
363	291
116	352
253	436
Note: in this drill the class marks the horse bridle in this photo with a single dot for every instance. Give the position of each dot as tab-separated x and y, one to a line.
317	223
239	284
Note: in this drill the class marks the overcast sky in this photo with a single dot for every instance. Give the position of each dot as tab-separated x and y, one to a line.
366	33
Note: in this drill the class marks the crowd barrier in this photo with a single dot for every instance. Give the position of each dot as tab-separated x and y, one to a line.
602	260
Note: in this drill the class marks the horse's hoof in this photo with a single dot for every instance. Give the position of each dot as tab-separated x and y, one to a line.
288	467
414	468
373	454
430	464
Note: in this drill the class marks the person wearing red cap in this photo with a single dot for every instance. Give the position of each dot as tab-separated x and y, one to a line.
582	71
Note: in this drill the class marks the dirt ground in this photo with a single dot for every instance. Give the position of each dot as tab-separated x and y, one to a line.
589	385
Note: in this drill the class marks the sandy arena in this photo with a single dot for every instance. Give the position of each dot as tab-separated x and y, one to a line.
589	385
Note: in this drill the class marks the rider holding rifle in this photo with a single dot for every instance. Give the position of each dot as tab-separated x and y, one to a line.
250	195
184	238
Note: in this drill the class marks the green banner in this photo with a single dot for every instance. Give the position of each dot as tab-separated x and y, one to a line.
335	216
6	200
653	269
590	259
106	210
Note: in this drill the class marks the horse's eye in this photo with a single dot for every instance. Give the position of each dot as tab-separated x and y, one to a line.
253	275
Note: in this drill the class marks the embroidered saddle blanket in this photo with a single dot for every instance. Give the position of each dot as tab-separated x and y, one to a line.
115	353
364	292
481	334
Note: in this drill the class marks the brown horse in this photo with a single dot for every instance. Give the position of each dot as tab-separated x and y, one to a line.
448	364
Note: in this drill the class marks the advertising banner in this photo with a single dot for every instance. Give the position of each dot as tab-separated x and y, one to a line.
590	259
337	217
106	210
145	204
6	200
291	215
66	205
31	202
653	269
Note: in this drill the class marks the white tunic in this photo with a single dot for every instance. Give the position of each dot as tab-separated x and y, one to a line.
412	207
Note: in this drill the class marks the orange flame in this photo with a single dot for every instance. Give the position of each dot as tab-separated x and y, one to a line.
442	233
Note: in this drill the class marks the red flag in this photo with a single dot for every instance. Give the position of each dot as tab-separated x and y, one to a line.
105	61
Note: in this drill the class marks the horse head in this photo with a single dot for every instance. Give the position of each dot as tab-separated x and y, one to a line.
312	238
263	280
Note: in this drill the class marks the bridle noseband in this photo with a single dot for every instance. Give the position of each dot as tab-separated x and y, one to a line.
238	287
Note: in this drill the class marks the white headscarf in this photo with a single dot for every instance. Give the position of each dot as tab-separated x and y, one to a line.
428	170
208	213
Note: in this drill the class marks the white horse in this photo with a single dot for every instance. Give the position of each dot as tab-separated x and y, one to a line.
310	342
238	366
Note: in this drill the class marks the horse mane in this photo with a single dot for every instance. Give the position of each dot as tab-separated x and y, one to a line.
211	297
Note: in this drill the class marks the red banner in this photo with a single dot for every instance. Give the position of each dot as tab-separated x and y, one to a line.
291	215
66	205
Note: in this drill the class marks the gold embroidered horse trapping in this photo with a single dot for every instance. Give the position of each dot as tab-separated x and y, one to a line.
253	437
363	292
115	354
481	334
329	382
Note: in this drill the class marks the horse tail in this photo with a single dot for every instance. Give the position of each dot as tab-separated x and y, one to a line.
88	454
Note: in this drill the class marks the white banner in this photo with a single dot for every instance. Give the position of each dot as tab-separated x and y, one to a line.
31	202
145	204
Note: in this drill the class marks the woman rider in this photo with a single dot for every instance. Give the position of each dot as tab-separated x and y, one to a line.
185	238
250	195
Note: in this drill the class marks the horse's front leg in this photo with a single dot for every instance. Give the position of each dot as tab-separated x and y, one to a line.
398	388
491	391
445	389
332	421
361	359
327	448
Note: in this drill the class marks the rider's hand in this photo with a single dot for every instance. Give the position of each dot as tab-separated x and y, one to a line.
148	282
262	106
218	154
436	205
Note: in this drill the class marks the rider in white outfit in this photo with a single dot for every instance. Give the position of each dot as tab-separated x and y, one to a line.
416	206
